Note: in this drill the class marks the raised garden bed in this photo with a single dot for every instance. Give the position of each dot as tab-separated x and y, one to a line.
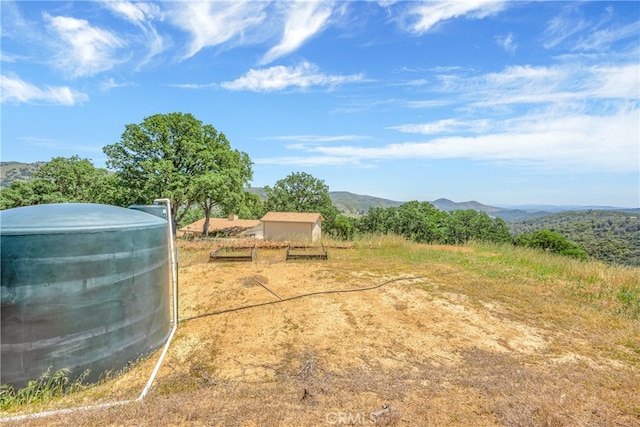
233	254
307	252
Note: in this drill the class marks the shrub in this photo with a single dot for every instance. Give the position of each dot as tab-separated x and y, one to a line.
551	241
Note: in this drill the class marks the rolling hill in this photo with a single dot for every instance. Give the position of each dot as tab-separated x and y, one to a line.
16	171
610	236
356	204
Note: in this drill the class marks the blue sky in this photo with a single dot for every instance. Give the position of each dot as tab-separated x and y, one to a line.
503	102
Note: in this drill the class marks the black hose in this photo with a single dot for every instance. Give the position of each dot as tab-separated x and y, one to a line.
335	291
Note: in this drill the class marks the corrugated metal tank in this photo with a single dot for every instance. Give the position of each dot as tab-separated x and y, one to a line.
84	286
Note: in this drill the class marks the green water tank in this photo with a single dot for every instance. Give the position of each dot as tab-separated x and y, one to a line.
157	210
84	286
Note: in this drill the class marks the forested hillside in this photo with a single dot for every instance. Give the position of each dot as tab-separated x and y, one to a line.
610	236
16	171
356	204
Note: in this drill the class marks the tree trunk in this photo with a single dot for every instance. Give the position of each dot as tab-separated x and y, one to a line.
207	215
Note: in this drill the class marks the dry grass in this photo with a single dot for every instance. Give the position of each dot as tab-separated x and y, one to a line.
473	335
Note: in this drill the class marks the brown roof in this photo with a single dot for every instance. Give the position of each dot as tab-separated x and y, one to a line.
217	224
292	217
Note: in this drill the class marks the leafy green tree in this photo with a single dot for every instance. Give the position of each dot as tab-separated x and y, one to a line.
457	230
298	192
301	192
343	227
423	222
114	190
376	220
500	231
73	179
18	194
175	156
62	180
419	221
252	206
551	241
465	225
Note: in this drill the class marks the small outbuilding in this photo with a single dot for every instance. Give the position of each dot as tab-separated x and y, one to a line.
292	226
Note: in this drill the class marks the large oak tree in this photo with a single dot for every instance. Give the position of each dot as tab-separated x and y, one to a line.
176	156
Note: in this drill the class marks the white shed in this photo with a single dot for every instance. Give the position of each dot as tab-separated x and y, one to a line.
292	226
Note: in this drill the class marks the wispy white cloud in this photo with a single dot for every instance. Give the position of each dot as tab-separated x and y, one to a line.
304	19
366	103
522	76
563	27
83	50
136	12
571	142
110	83
16	90
552	84
310	161
574	32
615	81
411	83
446	126
9	58
516	85
428	103
141	14
13	24
316	138
507	43
214	23
276	78
194	85
600	40
425	16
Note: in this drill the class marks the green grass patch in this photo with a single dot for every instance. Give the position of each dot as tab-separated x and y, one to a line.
629	298
49	385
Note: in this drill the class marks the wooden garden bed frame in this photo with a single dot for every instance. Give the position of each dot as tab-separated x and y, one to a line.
306	252
233	254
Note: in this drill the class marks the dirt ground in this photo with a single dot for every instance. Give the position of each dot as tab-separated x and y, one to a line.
405	353
400	325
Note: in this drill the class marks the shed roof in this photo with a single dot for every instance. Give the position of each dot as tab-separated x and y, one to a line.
292	217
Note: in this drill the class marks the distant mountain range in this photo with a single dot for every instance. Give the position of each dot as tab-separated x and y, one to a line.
357	204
